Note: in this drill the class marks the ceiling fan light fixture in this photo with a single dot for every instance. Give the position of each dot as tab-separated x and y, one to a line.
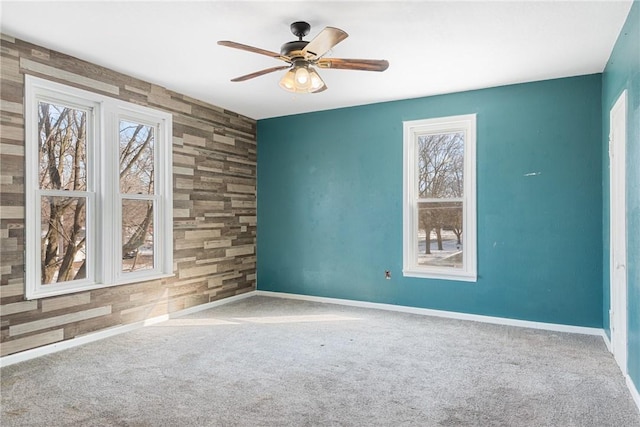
288	81
302	79
316	81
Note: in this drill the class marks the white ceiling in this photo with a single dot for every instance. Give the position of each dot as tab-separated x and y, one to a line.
433	47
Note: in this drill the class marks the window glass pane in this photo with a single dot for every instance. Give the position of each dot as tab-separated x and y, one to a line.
62	143
136	158
440	237
137	235
63	239
440	165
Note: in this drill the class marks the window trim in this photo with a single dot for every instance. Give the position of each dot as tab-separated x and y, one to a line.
411	130
102	189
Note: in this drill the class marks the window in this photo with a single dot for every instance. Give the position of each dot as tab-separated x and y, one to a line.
439	198
98	191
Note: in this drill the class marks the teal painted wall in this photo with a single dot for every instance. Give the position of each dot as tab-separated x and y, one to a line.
623	72
330	203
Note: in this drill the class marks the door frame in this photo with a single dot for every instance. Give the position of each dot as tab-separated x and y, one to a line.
618	231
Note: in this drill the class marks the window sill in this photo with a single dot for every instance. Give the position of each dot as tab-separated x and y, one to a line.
45	293
430	274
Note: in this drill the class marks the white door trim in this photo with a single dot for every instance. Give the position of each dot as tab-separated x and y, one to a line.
618	231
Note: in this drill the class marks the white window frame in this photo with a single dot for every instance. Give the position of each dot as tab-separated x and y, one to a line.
412	130
103	222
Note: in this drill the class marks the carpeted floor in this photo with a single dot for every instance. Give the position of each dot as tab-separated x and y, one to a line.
274	362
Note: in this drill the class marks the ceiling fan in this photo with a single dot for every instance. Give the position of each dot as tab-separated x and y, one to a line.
301	56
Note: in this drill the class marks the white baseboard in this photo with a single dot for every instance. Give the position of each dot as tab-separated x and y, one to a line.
116	330
607	341
630	384
441	313
634	391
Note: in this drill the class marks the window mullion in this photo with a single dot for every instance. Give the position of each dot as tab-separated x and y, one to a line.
111	211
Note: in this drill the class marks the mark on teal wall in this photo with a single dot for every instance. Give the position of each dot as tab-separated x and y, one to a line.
330	203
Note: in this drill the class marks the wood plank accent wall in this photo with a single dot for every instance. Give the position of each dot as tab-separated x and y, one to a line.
214	182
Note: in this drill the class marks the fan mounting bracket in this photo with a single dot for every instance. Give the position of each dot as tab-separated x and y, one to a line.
300	29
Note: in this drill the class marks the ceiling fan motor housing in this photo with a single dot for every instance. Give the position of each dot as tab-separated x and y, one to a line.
288	48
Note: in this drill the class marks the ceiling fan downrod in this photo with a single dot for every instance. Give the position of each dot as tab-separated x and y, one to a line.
299	29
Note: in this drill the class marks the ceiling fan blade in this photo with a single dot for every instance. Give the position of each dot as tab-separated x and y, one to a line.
249	48
325	40
259	73
354	64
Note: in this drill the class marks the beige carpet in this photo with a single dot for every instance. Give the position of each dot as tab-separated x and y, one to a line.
274	362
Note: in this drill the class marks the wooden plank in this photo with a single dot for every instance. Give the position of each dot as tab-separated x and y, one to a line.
48	70
33	341
51	322
57	303
18	307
